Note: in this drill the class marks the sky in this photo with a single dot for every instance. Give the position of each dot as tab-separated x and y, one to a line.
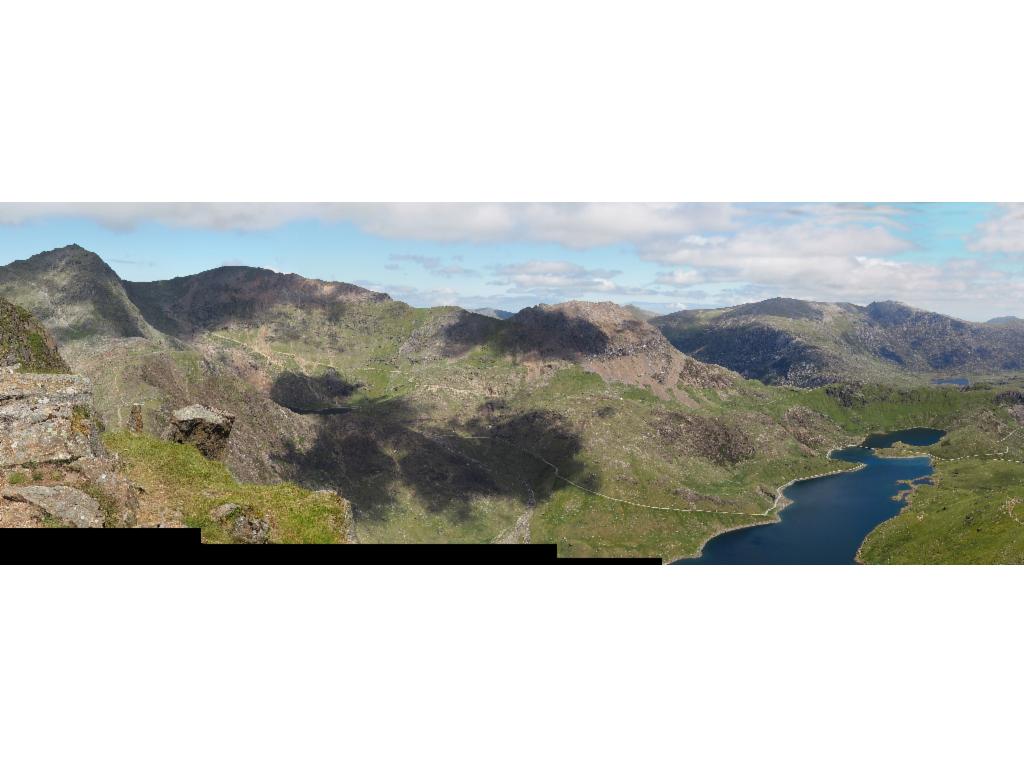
962	259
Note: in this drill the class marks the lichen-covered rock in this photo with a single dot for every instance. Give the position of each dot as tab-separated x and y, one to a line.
208	429
45	418
71	505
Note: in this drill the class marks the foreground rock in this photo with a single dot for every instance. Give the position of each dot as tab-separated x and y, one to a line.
52	463
208	429
68	504
45	418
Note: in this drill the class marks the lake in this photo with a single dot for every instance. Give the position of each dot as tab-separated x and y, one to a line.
829	516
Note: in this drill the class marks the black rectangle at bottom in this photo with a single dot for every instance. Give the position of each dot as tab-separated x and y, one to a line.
182	546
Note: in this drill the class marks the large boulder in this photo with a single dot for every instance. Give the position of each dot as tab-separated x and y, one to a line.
208	429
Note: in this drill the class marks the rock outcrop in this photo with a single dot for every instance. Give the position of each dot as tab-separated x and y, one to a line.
25	344
208	429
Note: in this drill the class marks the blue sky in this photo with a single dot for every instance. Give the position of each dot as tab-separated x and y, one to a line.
961	259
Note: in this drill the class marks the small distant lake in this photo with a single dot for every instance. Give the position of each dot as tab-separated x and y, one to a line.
960	382
829	516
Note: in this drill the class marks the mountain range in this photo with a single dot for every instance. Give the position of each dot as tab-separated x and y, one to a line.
583	424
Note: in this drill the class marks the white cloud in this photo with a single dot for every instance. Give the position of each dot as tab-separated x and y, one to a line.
803	256
576	225
431	264
679	277
561	277
1003	233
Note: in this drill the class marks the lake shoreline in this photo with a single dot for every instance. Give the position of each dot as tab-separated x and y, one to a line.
773	514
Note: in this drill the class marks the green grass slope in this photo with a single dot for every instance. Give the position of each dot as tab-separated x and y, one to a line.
180	480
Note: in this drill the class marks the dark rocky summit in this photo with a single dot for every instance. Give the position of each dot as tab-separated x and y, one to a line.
610	341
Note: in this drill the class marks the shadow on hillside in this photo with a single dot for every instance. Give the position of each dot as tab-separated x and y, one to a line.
469	330
302	393
386	451
552	334
450	335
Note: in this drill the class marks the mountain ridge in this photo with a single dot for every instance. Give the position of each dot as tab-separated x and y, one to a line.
804	343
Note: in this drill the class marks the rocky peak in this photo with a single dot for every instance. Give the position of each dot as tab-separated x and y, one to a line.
609	340
74	293
72	255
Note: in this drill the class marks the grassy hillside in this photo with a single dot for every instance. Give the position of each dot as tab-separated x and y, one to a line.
180	486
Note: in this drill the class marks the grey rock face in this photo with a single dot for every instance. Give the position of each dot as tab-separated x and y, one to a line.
45	418
68	504
208	429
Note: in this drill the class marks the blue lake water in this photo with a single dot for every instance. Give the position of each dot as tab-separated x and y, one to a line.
829	516
956	382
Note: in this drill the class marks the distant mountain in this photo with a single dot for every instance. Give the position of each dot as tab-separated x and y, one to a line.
806	344
640	314
1009	320
497	314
